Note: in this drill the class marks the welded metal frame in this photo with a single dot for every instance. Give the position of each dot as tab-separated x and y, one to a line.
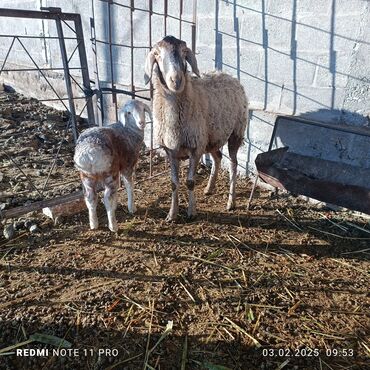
61	19
135	91
92	97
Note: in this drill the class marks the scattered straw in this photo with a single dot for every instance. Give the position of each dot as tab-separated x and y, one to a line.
241	330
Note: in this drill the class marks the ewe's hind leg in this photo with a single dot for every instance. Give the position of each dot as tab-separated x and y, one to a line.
233	145
111	184
174	210
190	183
216	162
91	199
129	185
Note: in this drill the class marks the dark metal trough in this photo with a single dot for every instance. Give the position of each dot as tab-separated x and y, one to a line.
327	181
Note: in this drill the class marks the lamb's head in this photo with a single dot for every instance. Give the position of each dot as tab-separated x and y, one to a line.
170	55
133	113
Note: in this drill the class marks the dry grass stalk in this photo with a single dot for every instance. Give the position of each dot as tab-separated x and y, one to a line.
184	354
336	235
241	330
146	358
283	364
186	290
123	362
358	227
247	246
289	220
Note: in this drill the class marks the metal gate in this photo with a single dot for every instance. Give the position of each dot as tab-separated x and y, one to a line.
111	87
125	77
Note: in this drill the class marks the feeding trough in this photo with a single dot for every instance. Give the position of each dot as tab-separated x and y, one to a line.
328	181
324	180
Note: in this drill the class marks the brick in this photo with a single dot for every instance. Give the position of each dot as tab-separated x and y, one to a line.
249	60
279	32
284	9
205	57
312	99
313	33
346	7
341	62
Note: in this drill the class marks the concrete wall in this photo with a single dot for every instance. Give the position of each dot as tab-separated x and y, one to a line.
309	58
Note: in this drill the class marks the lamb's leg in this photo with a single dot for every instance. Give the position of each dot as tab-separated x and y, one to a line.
91	199
233	146
174	210
111	184
129	185
216	162
190	183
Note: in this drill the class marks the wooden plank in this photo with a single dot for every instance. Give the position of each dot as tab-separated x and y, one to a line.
36	206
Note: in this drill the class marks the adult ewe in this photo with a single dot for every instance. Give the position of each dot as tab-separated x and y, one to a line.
194	115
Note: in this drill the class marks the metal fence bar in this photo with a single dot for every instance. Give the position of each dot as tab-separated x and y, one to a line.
151	94
52	14
165	11
37	69
122	45
7	55
42	73
146	10
84	70
97	98
67	78
38	37
193	27
180	18
114	97
132	45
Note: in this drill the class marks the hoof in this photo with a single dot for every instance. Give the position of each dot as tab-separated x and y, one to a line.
192	213
192	217
132	210
171	218
208	191
94	225
113	228
230	206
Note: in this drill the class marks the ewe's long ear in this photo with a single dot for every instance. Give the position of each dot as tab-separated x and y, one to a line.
149	63
190	58
148	110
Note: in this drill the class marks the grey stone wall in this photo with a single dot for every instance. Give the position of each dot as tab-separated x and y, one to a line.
308	58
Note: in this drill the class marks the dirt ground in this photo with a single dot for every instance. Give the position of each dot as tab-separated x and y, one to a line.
282	286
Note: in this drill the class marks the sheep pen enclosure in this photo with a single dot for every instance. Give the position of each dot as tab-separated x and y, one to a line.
283	284
285	276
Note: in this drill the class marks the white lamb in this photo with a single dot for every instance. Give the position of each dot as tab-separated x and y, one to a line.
103	153
194	115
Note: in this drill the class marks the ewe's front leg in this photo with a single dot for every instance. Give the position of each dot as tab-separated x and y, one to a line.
174	210
91	200
190	183
129	185
111	184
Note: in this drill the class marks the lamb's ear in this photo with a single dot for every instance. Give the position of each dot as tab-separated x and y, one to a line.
122	116
190	58
148	110
149	63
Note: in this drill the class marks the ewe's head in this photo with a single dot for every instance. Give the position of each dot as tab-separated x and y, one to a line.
133	113
170	55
